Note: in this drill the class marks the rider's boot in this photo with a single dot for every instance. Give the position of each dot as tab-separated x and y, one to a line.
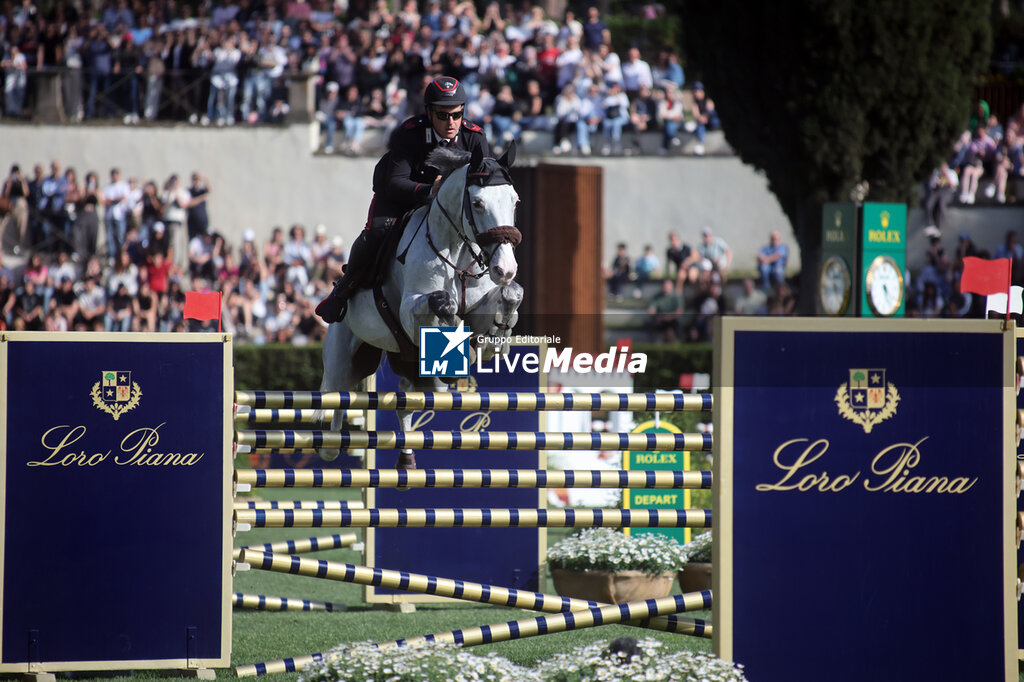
360	259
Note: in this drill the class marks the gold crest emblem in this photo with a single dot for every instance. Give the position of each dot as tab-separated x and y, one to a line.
867	399
115	393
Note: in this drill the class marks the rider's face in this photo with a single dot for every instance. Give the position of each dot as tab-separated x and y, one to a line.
446	120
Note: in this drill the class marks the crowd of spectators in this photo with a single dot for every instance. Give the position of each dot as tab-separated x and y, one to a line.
985	158
693	284
120	255
223	63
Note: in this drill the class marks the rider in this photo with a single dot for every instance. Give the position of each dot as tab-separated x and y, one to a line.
402	180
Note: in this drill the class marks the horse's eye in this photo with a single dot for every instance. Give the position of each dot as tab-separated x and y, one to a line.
478	203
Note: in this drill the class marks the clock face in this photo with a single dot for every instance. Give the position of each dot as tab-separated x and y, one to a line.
834	286
884	286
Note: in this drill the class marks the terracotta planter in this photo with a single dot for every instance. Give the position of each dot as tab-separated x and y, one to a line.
611	587
695	576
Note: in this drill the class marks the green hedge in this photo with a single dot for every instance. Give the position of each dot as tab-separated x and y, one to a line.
299	368
666	361
278	367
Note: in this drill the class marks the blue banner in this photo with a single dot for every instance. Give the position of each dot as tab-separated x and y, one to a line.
509	557
116	543
867	535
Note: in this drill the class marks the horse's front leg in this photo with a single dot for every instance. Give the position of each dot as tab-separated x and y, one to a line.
494	317
435	309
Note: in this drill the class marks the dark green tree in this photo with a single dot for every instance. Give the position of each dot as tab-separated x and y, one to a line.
824	94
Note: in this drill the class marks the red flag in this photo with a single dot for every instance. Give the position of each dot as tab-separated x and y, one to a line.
200	306
985	277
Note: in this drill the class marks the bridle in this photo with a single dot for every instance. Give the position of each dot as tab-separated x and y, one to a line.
488	172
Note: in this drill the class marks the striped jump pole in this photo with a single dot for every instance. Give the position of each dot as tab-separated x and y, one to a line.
445	587
246	415
297	504
471	478
593	616
474	518
518	629
475	440
454	589
284	665
261	602
503	402
304	545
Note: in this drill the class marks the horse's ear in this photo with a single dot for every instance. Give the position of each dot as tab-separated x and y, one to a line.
477	157
509	157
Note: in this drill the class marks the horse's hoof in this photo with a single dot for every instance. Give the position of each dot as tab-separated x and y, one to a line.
406	460
443	306
512	293
329	455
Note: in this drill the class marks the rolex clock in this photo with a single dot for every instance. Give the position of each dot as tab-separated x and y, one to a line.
835	286
884	286
883	257
839	282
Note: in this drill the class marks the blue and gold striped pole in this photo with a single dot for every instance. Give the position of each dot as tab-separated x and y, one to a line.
262	602
470	478
474	440
304	545
502	402
297	504
593	616
447	587
246	415
284	665
474	518
518	629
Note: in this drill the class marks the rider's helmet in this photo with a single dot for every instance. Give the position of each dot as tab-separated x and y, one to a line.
444	91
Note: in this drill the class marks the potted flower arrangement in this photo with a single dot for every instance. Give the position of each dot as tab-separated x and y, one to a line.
605	565
696	572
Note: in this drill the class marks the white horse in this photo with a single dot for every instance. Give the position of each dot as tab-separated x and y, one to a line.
455	262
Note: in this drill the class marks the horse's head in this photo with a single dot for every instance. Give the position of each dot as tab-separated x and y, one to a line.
482	209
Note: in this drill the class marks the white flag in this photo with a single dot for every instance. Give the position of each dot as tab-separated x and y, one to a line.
997	302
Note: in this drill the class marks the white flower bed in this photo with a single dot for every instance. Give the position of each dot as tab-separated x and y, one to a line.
363	662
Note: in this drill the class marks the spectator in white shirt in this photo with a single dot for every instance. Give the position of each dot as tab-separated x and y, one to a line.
611	65
591	115
567	113
636	73
298	248
115	210
223	83
615	106
670	114
176	201
568	61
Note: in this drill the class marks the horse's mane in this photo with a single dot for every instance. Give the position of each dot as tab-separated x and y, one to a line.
447	159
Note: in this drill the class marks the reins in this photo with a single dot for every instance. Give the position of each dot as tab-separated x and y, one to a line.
502	234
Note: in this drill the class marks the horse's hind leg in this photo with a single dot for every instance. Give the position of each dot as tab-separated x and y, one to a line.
410	381
347	360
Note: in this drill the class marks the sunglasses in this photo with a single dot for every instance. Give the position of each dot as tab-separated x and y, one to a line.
445	115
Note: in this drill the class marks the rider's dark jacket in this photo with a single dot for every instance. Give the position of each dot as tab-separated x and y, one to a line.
402	179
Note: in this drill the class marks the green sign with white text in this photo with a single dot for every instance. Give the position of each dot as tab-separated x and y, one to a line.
661	498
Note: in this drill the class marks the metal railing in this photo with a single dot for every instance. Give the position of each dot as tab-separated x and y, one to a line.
67	95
